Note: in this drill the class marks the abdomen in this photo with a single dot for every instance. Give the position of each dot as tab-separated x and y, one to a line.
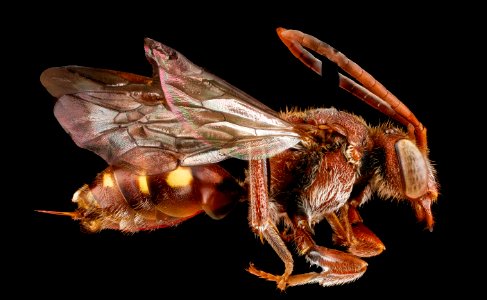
121	200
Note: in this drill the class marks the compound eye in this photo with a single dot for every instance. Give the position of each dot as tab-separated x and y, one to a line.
413	167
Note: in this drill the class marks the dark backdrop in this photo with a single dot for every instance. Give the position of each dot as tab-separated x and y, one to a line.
413	51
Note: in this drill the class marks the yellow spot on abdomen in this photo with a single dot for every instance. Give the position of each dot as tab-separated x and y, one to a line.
180	177
107	180
143	185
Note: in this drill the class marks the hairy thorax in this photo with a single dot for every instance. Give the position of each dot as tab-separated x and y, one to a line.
317	177
311	184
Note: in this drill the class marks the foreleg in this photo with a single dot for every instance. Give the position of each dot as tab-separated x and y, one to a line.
350	232
337	267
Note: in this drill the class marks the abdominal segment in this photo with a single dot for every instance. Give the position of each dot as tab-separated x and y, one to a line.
121	200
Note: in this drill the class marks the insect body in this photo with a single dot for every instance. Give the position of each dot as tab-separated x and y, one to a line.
163	138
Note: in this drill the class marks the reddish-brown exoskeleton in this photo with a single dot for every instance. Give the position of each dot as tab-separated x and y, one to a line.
164	137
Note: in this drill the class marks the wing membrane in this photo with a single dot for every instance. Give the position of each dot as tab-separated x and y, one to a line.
181	116
111	113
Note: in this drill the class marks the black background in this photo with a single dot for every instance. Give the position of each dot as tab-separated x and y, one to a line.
415	52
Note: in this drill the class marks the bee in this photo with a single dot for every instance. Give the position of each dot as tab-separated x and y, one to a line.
164	138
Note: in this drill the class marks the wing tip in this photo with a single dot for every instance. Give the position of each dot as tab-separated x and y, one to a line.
49	79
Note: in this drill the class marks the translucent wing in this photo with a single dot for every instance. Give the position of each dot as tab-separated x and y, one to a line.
181	116
120	116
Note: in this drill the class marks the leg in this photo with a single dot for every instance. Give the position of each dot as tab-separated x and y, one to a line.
262	225
351	233
337	267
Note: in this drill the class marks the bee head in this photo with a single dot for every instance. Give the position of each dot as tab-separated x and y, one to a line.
402	171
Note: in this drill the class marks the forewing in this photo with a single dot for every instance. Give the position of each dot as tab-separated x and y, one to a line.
182	116
120	116
240	126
